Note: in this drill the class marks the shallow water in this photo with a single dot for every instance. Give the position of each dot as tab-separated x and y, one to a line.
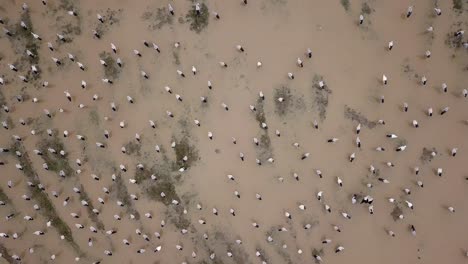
349	58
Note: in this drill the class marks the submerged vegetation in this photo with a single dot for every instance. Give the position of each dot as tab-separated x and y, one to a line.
23	40
183	149
345	4
55	161
112	70
120	191
358	117
260	114
283	100
84	196
426	154
3	196
158	19
366	9
133	147
396	213
264	151
200	21
5	254
458	5
94	117
320	96
72	25
47	208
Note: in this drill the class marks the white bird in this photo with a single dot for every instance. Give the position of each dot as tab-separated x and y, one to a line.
319	195
428	54
384	79
409	11
339	181
401	148
444	87
423	80
409	204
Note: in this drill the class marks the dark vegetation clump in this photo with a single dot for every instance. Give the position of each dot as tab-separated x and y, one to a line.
184	148
426	154
458	5
73	25
158	19
318	252
89	208
198	22
111	17
55	161
119	190
133	147
320	96
112	70
164	183
176	57
282	108
345	4
357	117
366	9
453	41
265	150
94	117
4	196
260	114
6	254
177	217
396	213
23	40
42	198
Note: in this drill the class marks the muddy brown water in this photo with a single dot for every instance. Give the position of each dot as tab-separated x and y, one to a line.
349	58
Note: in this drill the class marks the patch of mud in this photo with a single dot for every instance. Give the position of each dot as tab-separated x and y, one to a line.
356	116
